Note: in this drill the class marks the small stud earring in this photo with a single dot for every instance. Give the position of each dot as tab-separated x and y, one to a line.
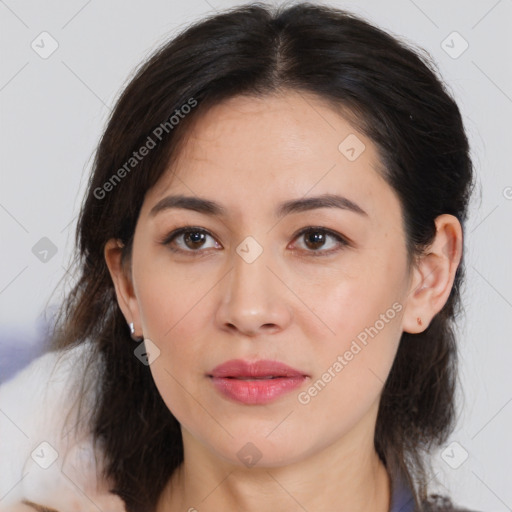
132	333
419	321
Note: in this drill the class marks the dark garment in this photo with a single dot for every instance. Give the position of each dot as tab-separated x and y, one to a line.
402	499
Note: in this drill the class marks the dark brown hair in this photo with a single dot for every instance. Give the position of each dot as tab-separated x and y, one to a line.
389	92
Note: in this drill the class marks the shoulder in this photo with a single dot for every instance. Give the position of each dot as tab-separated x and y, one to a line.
438	503
44	459
403	500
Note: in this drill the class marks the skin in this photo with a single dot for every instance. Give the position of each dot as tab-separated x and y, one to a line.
250	154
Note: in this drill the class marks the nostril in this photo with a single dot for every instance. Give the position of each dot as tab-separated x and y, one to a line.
267	328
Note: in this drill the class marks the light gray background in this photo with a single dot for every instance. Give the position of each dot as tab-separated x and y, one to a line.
53	111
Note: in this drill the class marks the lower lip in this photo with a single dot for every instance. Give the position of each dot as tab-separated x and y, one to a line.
255	392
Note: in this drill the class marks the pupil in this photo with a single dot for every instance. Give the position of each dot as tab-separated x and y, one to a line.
316	239
195	237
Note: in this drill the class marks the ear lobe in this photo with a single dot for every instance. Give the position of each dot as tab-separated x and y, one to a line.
122	281
433	275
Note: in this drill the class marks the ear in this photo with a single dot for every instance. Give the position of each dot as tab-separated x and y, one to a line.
121	277
433	275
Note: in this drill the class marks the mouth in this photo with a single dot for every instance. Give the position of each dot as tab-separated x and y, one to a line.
257	378
257	383
258	370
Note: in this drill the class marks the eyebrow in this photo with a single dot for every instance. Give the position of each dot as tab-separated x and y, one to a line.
209	207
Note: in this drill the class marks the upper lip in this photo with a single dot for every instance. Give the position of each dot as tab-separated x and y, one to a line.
262	368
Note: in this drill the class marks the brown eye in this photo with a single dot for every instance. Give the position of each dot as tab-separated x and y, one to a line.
315	239
194	239
190	239
321	241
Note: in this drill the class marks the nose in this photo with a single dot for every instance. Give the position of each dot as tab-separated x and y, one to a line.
254	300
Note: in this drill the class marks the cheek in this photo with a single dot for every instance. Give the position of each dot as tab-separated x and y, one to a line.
170	309
168	296
173	321
176	323
346	302
359	327
352	364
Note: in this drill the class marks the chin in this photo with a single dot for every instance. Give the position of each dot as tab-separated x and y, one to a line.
258	451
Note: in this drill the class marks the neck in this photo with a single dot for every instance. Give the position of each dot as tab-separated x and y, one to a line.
353	480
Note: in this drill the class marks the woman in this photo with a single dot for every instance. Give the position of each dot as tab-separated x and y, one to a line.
270	256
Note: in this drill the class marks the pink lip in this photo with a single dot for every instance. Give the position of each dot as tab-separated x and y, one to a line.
228	378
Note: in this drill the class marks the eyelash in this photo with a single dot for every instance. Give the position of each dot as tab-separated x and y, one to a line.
310	229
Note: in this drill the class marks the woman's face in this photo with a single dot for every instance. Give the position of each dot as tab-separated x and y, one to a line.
247	283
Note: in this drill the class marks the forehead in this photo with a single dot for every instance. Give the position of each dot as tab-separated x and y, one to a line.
250	152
